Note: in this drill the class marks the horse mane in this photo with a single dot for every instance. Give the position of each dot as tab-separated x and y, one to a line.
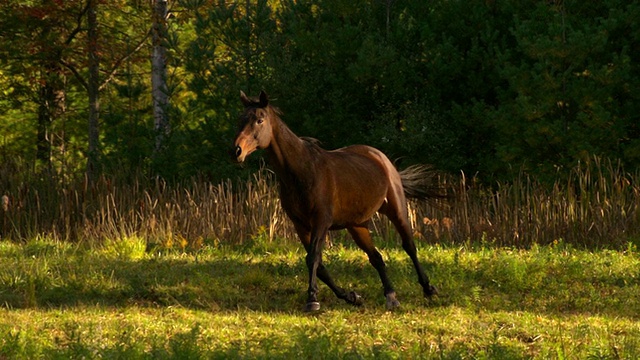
307	139
276	110
277	113
311	140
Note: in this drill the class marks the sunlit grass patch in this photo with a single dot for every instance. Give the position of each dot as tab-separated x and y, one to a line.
451	332
125	247
224	302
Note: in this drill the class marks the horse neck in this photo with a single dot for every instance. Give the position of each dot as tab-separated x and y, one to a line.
287	153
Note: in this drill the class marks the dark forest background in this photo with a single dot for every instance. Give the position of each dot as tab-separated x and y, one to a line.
492	88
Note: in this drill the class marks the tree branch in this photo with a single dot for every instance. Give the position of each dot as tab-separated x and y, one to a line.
76	73
111	74
78	27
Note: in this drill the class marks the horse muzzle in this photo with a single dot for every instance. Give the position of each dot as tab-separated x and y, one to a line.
240	154
243	148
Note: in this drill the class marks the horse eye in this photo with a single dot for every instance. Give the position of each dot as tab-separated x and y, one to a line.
260	121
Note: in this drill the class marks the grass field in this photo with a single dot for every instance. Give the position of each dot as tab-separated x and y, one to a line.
126	299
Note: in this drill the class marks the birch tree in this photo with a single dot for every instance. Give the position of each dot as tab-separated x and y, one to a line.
159	76
93	83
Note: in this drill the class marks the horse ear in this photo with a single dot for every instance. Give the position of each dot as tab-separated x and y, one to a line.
245	99
264	99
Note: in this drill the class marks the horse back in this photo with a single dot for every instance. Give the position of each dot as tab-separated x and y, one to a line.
359	178
347	185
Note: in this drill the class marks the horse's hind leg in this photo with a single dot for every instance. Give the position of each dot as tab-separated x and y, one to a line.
398	216
362	238
410	248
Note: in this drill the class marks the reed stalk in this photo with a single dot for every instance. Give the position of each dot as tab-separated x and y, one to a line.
596	205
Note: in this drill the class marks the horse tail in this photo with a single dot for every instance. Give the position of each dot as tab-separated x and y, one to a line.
421	182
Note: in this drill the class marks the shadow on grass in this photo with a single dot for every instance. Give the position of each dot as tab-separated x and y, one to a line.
220	284
227	281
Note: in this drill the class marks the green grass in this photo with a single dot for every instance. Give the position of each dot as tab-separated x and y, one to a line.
124	299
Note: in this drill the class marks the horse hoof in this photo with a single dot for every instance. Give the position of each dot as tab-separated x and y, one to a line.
312	306
355	299
392	302
432	290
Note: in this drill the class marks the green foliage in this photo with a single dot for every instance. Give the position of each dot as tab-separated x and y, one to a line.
226	55
569	89
488	87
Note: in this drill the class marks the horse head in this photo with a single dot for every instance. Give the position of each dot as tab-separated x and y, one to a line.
255	125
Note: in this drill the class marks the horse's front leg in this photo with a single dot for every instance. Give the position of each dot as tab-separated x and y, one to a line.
314	262
323	274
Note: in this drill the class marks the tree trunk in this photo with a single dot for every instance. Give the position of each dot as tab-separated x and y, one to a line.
51	105
247	55
159	77
43	144
51	102
93	85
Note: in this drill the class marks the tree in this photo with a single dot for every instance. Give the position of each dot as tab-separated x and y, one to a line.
36	38
93	91
49	45
159	90
490	87
569	87
226	54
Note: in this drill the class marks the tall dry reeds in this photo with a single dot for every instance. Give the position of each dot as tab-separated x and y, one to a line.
153	210
597	205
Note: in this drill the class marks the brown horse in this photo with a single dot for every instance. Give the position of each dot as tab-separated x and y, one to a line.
324	190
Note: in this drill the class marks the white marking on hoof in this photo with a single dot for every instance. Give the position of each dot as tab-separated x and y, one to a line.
392	302
312	306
